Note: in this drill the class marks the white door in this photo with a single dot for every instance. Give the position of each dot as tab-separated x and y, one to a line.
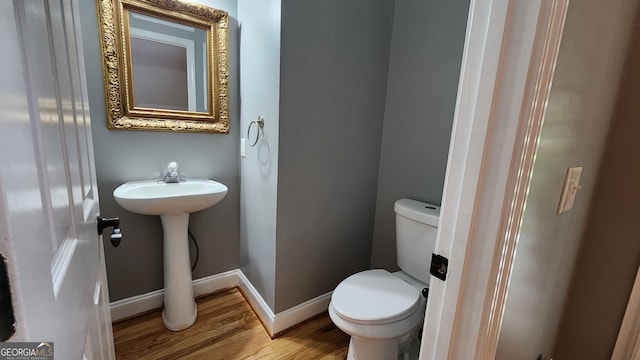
48	194
509	57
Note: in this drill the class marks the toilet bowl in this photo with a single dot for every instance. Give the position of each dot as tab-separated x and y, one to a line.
383	311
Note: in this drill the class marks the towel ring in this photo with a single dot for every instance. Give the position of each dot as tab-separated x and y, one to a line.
260	123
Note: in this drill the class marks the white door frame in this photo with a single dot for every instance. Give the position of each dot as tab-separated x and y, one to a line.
507	67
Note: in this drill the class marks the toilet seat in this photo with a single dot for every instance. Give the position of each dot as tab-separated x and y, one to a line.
375	297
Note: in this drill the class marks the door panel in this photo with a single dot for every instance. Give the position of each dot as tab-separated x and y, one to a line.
48	195
44	115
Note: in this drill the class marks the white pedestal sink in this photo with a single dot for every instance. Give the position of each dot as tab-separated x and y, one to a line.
173	202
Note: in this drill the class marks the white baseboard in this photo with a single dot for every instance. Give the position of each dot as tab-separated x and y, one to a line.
299	313
213	283
263	311
139	304
277	323
274	323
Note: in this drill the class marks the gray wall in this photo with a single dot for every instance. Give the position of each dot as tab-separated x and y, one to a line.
334	61
426	53
575	128
598	298
299	216
136	266
259	22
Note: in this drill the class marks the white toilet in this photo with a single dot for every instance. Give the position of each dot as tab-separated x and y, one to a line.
383	311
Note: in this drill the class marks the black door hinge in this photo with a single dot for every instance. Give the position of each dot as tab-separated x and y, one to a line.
439	266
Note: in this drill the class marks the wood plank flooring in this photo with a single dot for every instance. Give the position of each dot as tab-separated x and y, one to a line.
226	328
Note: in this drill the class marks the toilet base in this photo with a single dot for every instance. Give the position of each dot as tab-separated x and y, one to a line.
376	349
360	349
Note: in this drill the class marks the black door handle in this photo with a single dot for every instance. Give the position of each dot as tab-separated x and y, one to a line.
116	235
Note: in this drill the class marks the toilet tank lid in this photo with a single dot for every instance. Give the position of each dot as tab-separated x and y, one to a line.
419	211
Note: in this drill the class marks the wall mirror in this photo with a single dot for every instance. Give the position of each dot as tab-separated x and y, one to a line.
165	65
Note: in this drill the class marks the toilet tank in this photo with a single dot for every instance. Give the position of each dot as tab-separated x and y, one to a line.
416	229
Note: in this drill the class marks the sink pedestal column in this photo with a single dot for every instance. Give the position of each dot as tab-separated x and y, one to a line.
180	309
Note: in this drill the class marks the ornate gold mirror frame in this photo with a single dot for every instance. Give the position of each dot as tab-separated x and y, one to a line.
117	67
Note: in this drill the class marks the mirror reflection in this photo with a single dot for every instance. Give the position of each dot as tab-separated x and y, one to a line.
168	64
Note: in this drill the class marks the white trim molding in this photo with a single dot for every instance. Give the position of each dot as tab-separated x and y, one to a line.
507	66
260	307
139	304
536	90
299	313
274	324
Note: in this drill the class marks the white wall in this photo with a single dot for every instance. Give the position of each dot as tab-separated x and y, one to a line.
259	22
576	124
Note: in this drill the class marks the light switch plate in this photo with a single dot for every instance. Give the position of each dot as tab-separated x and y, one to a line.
243	147
570	188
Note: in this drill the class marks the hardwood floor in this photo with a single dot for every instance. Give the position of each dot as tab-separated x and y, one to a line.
227	328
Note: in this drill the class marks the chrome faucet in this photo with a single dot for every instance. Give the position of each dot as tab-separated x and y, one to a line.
172	175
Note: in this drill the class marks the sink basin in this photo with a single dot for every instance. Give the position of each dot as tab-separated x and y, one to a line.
151	197
173	202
